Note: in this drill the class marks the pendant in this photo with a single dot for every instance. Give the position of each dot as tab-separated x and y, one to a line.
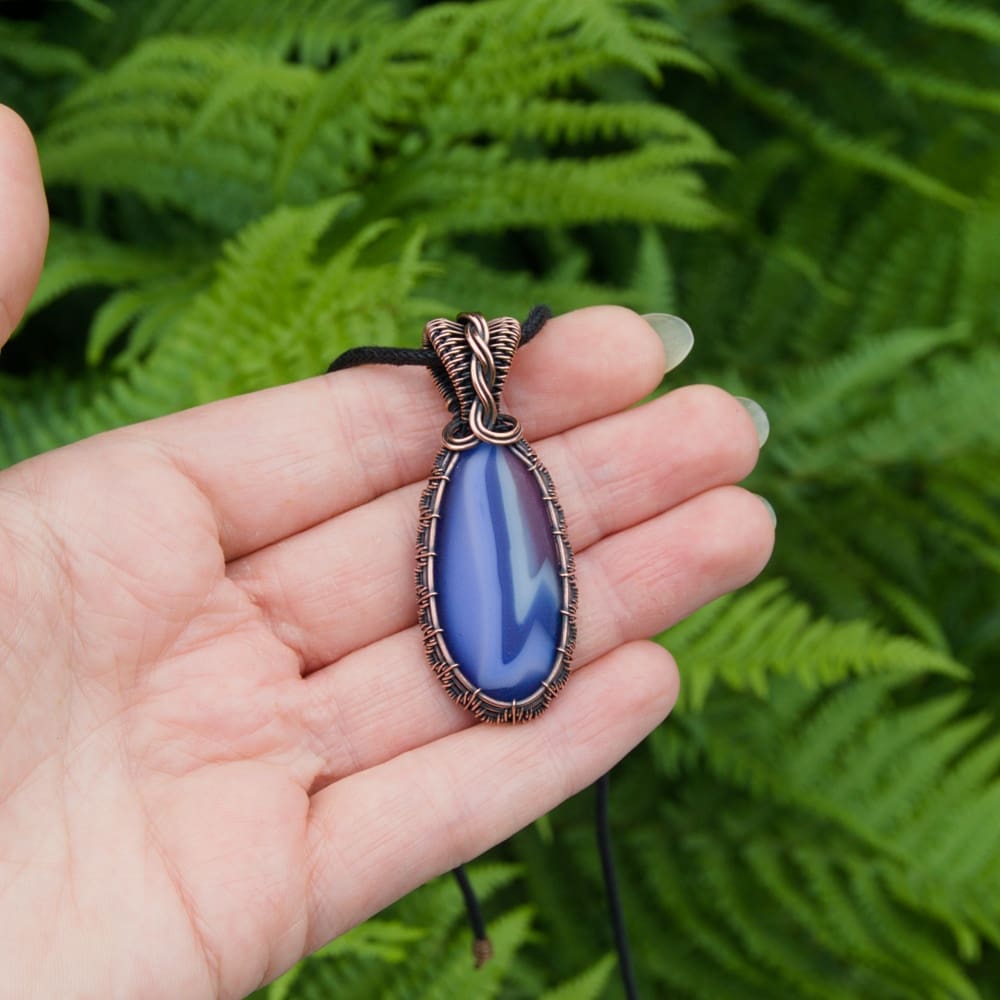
495	587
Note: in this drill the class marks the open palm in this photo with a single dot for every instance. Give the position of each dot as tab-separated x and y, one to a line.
220	745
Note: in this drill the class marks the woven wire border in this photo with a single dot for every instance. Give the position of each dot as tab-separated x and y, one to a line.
448	671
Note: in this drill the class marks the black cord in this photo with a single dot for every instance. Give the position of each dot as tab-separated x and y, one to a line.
424	356
384	356
536	319
611	888
481	947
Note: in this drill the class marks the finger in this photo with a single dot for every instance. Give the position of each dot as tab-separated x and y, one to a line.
387	830
276	462
349	581
385	700
24	220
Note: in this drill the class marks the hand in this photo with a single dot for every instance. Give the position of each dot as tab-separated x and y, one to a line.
221	745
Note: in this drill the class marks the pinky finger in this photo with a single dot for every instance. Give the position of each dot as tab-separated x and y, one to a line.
379	833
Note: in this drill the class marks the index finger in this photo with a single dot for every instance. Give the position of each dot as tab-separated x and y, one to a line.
276	462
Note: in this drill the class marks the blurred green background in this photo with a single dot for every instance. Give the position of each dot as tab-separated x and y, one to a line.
241	190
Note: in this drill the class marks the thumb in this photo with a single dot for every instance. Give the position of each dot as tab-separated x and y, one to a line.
24	220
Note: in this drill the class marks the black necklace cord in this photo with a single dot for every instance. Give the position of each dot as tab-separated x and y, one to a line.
602	810
424	356
481	947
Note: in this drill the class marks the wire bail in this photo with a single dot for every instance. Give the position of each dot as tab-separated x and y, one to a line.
476	356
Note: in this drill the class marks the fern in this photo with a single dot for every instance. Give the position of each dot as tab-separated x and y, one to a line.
312	30
285	314
967	18
76	259
845	841
818	22
855	151
96	9
224	131
589	985
772	83
420	950
895	451
747	640
21	47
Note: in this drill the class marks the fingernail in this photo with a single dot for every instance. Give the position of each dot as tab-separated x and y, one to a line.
760	422
770	509
675	334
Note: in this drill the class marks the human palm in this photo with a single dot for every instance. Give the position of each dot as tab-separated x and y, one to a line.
221	743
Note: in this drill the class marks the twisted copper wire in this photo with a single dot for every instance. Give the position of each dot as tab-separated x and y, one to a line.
476	355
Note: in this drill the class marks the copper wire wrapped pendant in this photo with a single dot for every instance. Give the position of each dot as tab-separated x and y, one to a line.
495	585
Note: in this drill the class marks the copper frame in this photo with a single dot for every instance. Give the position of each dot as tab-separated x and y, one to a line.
449	672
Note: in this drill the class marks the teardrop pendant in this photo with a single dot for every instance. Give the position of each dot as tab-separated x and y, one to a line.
495	584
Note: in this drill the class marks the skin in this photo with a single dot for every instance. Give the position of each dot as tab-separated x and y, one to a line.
220	744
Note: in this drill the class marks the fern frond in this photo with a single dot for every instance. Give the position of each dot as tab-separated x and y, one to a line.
21	46
956	15
145	313
930	419
791	272
611	28
854	151
418	949
95	8
77	258
285	315
385	941
820	23
136	128
589	985
744	641
42	411
568	191
828	395
879	781
977	298
555	121
495	290
311	29
223	131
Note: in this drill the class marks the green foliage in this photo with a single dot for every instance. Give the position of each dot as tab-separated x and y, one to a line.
746	640
420	951
241	190
970	19
271	313
222	130
889	799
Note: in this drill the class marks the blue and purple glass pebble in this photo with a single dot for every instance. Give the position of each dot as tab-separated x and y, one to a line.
499	593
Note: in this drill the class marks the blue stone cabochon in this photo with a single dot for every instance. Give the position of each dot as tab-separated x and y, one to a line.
459	686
